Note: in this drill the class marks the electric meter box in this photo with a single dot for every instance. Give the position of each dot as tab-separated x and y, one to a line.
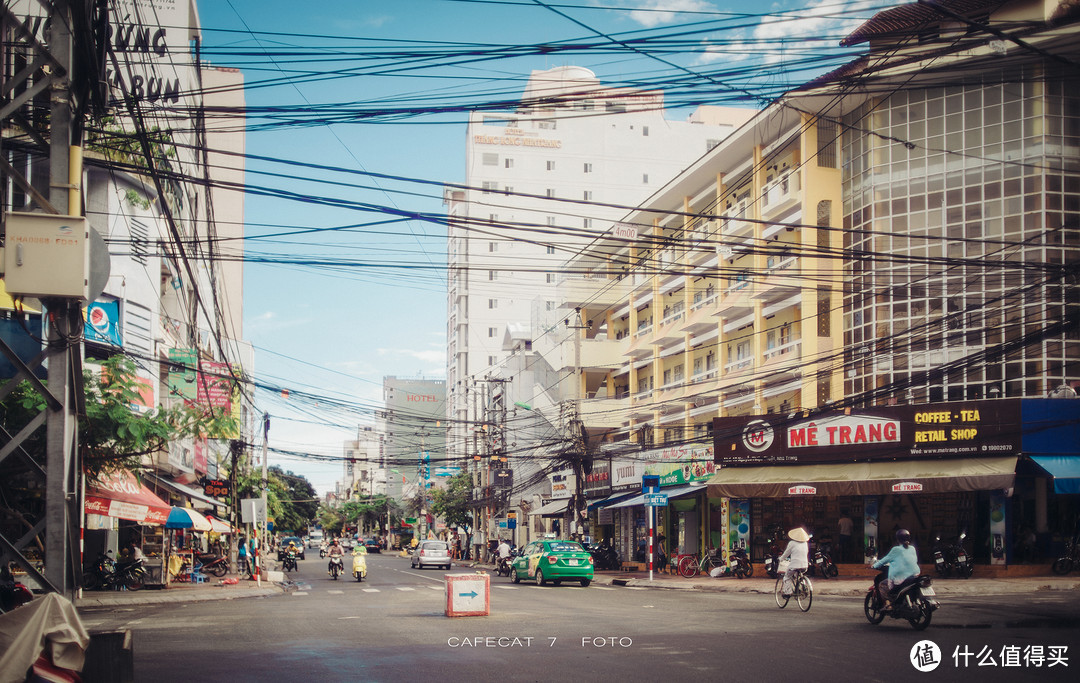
47	255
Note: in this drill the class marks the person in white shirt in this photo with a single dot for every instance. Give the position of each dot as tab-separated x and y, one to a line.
503	550
797	553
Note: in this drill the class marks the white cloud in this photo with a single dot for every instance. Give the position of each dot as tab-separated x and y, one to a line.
424	355
665	11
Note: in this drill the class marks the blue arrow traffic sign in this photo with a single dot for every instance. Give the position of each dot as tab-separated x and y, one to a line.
471	594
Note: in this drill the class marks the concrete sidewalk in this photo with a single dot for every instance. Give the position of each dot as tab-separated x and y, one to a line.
182	592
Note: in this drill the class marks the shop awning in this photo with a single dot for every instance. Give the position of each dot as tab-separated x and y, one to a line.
1065	469
191	493
671	492
123	496
219	526
607	502
865	478
555	508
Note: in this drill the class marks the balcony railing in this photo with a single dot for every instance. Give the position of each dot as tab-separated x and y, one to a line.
741	364
673	313
783	349
704	301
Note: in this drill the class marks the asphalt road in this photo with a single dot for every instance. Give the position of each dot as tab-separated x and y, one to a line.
393	627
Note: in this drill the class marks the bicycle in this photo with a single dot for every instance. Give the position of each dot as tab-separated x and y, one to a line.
802	590
691	565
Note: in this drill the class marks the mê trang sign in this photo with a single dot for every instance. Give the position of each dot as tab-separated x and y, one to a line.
907	487
802	490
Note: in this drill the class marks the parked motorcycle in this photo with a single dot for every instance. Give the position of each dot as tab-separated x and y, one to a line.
822	562
739	564
336	567
107	573
289	563
359	563
951	558
914	600
12	593
772	559
604	556
1070	560
213	564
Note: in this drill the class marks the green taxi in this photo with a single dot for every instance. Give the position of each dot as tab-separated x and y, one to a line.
553	560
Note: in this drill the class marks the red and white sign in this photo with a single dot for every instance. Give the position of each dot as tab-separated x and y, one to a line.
122	496
907	487
468	595
844	430
802	490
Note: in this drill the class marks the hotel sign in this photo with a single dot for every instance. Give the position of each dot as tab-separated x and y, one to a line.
940	430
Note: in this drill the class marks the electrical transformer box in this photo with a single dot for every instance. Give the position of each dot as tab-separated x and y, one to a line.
47	255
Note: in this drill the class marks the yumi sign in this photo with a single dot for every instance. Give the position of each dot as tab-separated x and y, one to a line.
941	430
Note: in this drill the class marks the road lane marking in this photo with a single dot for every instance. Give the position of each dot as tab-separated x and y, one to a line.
336	592
412	573
435	588
404	588
371	590
603	588
300	593
508	588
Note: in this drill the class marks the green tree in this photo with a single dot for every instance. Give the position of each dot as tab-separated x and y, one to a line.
113	436
452	502
290	498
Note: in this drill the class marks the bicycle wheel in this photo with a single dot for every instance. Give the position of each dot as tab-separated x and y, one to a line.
778	594
804	594
688	566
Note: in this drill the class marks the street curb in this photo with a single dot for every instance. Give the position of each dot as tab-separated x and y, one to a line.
165	596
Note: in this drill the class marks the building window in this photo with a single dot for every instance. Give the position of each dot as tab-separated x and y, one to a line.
587	195
645	178
493	218
489	186
490	159
549	305
550	249
492	360
508	190
492	331
551	165
587	222
545	124
551	277
549	192
493	303
508	163
492	246
551	221
710	144
491	275
588	167
645	131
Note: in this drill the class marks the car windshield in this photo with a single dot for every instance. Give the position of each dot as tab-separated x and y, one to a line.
565	547
434	546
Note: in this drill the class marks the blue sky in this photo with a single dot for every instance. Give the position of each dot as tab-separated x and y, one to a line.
337	332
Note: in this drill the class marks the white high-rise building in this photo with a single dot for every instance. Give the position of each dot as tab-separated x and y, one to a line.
542	181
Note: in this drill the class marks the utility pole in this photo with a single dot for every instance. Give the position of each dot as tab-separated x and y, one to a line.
263	540
576	429
235	448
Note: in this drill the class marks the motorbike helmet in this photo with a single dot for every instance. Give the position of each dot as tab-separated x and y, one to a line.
903	536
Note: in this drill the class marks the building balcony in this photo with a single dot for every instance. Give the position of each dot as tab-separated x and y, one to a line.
735	299
593	291
781	194
784	353
738	367
599	354
605	413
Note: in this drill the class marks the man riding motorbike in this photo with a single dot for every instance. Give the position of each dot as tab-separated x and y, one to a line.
335	551
902	561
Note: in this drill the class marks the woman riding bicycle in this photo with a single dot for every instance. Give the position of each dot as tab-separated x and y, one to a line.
797	553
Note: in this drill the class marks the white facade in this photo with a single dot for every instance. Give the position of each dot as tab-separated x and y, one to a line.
543	181
364	469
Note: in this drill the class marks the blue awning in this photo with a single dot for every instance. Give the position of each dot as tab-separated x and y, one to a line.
607	502
672	492
1065	469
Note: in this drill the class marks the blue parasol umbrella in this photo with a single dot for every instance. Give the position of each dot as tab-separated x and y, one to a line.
186	518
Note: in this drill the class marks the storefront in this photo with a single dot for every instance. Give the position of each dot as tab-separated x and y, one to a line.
121	510
936	470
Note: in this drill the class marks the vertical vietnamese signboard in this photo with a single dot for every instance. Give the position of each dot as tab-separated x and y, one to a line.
739	521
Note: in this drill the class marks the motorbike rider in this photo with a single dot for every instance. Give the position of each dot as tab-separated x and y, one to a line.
335	551
902	561
797	553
